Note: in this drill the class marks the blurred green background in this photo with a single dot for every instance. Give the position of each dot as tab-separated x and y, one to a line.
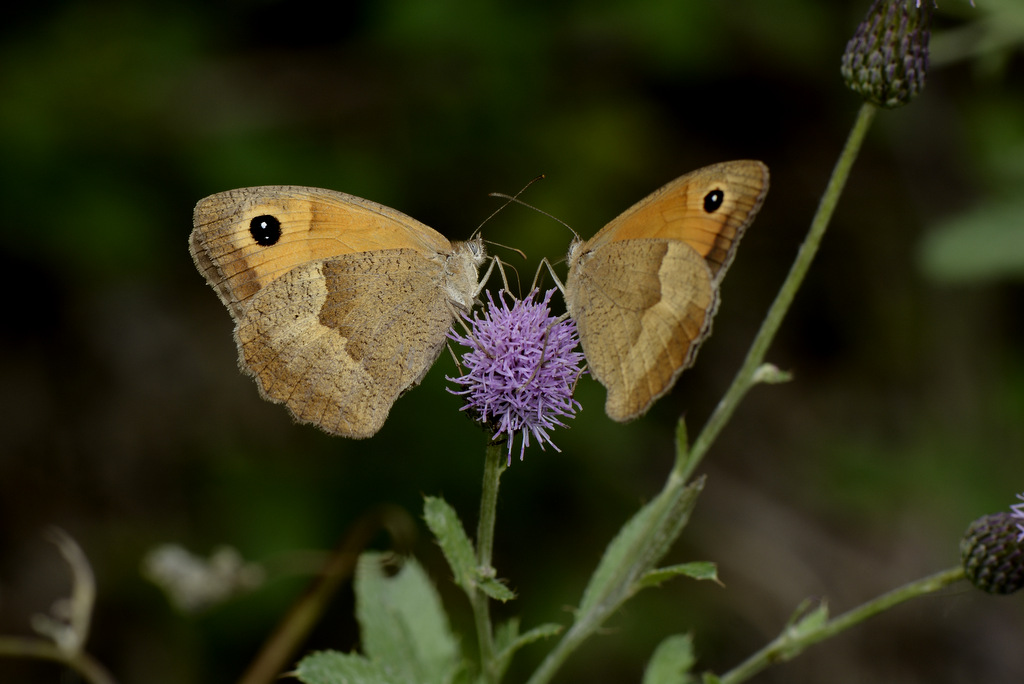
124	419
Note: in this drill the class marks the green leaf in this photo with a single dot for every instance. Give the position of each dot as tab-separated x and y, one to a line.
332	667
810	622
980	245
468	675
682	440
806	609
682	446
671	661
803	624
404	627
699	570
444	522
641	543
505	634
710	678
507	640
771	374
510	643
494	588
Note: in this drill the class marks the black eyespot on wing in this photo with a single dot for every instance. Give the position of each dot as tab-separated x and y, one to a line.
713	200
265	230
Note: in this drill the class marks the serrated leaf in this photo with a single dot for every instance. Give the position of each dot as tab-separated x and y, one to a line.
403	625
444	523
641	543
332	667
548	629
507	640
698	570
671	662
495	589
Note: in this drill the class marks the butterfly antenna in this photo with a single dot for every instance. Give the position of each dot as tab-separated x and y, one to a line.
516	199
511	249
510	200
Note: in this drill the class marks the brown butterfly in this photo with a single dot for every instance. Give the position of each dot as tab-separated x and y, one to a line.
340	304
644	289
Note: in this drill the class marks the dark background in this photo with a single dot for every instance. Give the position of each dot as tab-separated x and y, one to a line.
124	419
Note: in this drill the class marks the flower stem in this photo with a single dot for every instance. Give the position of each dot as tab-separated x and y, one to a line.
494	466
746	377
793	641
755	357
576	635
639	546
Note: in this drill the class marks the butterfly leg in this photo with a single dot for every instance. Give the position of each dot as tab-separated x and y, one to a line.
455	357
536	278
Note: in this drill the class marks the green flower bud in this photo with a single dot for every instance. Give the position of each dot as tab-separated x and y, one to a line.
993	555
887	58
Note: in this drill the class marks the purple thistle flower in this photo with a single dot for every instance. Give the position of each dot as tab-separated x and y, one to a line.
520	370
1018	512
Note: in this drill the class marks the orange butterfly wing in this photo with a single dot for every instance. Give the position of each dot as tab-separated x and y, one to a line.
644	289
340	304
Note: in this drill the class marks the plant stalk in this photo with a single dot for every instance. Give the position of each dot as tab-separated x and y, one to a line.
744	379
687	462
788	645
494	466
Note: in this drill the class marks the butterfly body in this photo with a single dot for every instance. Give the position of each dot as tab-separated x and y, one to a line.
644	289
340	304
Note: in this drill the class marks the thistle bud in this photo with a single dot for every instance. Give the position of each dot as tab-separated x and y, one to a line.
993	555
887	58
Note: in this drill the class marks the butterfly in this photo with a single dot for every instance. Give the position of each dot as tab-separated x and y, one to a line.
644	289
340	304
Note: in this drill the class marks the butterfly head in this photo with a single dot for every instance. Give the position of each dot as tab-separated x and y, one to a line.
576	248
462	272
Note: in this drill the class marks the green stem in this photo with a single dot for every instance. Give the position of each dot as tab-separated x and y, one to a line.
793	641
560	653
745	378
687	460
85	665
657	526
494	466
